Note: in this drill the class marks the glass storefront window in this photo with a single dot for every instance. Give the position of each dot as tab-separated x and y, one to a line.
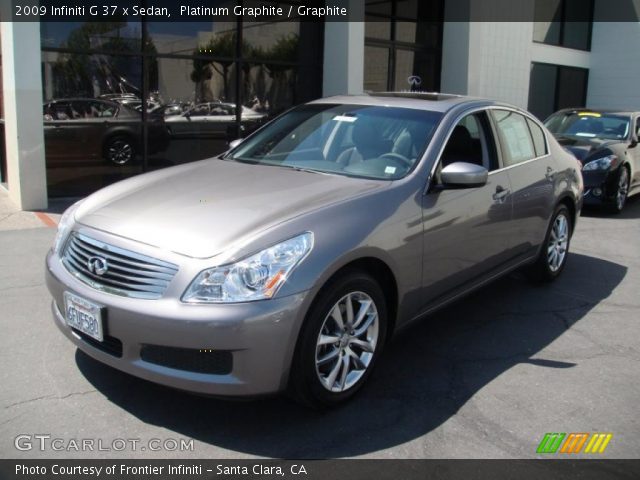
553	87
415	63
426	34
376	66
373	28
92	131
556	23
112	37
180	98
403	45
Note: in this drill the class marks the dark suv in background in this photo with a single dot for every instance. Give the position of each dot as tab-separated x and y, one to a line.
87	128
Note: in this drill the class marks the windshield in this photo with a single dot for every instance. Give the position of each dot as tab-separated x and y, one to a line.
589	124
354	140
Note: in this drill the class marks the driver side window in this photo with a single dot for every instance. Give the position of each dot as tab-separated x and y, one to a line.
472	142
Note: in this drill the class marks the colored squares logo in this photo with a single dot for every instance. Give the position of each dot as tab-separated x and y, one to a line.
574	443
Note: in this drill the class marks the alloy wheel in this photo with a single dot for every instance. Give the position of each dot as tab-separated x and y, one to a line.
558	242
347	342
623	188
120	152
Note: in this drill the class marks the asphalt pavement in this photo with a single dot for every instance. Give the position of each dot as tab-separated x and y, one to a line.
484	378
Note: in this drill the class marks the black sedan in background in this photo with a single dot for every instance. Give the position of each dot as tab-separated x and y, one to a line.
88	128
606	143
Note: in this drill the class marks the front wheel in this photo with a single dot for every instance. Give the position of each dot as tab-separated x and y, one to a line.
340	341
622	190
555	249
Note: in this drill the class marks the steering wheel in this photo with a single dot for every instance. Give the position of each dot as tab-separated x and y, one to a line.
396	156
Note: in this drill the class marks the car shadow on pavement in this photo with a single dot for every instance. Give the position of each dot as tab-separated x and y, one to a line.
427	373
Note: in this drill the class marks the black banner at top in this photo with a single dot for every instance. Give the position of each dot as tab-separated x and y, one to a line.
318	10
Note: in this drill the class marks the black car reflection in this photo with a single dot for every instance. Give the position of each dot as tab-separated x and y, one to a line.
89	129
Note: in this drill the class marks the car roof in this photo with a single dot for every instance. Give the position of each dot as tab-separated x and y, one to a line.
81	99
612	111
434	101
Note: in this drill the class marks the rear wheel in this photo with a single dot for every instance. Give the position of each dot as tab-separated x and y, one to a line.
119	150
340	341
622	190
555	249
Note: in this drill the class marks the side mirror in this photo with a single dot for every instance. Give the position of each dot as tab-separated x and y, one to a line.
235	143
464	175
634	142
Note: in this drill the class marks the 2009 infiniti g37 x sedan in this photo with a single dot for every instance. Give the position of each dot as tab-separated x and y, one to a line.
287	262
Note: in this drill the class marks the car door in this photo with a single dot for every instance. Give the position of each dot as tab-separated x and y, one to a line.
467	231
532	173
92	119
220	118
190	124
60	133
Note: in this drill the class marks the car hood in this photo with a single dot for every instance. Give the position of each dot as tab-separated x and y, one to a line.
201	209
586	148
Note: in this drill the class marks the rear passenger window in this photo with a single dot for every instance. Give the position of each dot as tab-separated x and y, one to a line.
538	138
515	138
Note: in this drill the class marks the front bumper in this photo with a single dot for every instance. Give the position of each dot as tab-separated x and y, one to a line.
603	182
259	336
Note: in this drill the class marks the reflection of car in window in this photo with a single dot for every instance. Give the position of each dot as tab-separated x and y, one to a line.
85	128
212	119
606	142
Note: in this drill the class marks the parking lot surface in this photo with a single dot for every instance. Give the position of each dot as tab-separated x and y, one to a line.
484	378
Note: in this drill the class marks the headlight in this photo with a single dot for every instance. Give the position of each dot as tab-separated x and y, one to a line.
64	226
602	163
256	277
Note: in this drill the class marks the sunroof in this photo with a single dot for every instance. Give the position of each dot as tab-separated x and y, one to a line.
433	96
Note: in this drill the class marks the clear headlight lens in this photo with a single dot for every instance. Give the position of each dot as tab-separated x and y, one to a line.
64	226
256	277
602	163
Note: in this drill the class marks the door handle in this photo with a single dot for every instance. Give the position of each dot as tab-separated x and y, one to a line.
501	194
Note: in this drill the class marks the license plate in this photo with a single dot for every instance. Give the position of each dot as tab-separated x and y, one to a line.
83	315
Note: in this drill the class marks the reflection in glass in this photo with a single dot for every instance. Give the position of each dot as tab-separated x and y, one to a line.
376	68
418	63
92	136
423	33
192	79
373	28
114	37
381	7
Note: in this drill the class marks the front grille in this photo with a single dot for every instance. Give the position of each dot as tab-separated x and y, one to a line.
110	345
127	273
217	362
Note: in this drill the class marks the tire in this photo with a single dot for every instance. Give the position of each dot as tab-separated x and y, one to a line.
548	266
622	191
119	150
317	366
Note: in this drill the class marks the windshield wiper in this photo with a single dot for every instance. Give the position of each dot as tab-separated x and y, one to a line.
302	169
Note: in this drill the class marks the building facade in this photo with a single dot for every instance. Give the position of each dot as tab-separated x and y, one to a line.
66	87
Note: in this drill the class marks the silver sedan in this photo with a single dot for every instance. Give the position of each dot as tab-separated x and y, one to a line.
288	262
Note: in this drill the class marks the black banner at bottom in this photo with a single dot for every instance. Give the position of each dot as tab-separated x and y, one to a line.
319	469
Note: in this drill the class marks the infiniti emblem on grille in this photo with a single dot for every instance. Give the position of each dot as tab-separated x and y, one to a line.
97	265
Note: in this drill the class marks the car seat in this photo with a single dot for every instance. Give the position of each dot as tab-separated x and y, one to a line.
368	143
